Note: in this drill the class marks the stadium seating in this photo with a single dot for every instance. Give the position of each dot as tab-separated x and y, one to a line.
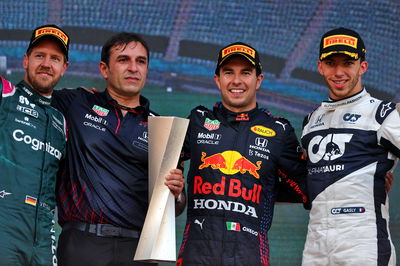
147	17
378	23
276	28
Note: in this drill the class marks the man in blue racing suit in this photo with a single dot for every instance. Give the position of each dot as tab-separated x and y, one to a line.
240	157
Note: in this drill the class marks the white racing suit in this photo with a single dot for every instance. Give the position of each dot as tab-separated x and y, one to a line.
350	144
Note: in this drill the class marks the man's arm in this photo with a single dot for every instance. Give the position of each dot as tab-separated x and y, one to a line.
6	88
292	171
388	181
62	99
389	133
180	203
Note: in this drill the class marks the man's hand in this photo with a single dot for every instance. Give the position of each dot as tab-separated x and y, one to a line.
92	91
388	181
175	182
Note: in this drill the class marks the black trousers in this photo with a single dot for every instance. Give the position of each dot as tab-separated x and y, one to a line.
78	248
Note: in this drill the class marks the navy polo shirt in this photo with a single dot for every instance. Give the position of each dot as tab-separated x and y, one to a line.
104	178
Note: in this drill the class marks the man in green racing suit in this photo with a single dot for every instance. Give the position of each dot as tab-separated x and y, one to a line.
32	143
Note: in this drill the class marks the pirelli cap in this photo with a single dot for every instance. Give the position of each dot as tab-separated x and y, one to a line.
51	31
239	48
342	41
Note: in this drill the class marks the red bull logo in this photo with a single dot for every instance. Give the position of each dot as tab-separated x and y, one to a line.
216	161
230	162
242	117
231	187
244	165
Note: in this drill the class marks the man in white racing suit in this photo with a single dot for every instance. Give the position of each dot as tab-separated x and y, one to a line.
351	141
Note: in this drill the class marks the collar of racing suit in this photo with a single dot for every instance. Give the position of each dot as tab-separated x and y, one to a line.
233	116
34	96
349	101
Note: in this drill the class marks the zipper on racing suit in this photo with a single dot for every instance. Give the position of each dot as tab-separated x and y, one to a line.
43	175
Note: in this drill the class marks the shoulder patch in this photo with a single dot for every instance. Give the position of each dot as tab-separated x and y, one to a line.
383	110
8	88
307	118
201	110
279	120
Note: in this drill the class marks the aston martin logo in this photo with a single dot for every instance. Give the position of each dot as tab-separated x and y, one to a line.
3	193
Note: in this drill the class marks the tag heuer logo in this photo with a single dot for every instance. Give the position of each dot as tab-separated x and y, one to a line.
211	124
100	110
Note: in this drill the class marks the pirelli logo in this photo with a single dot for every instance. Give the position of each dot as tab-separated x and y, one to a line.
340	40
54	31
238	48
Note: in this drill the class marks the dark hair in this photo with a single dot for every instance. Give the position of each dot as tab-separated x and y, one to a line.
121	38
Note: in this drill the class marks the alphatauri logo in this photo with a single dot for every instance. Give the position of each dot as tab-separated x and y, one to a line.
328	148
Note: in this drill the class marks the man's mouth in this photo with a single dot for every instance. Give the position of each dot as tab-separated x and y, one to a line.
236	91
130	78
44	74
340	83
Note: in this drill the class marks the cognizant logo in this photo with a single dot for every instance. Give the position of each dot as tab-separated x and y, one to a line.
36	144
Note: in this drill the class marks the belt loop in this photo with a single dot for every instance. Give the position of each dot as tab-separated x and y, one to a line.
98	228
87	228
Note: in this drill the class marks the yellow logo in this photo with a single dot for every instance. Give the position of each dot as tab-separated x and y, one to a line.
53	31
238	48
340	40
263	131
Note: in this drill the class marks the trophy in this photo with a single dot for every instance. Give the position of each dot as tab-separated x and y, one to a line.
157	241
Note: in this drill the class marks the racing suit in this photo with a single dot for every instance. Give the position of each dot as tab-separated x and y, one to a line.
238	163
351	144
32	142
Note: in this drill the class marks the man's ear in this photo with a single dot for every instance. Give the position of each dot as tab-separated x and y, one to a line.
217	81
103	67
363	67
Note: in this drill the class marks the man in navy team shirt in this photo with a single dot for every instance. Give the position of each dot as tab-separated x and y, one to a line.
103	183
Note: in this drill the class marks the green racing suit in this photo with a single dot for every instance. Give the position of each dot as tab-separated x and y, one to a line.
32	143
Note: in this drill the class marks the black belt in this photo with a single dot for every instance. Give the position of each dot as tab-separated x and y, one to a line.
106	230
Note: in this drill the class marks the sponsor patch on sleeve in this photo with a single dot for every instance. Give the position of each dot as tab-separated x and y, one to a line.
384	109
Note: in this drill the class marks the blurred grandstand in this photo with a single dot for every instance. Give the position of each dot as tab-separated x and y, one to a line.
185	35
184	38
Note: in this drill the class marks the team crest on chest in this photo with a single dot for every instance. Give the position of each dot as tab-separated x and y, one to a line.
100	110
211	124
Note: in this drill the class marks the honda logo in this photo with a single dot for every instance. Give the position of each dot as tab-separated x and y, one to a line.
261	142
